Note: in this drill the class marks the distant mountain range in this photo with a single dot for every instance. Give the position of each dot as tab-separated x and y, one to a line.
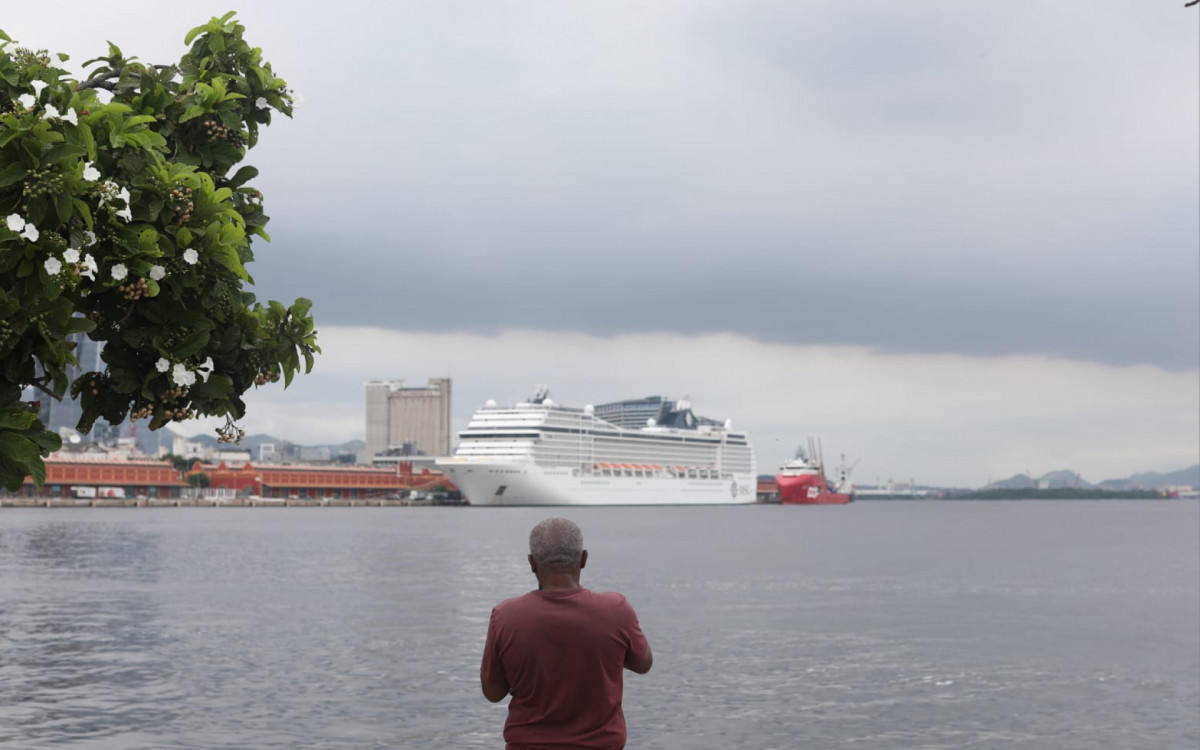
149	441
1064	478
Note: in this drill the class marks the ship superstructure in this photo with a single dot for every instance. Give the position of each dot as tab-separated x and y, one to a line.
802	481
643	452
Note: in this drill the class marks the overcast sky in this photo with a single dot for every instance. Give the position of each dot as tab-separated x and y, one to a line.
957	241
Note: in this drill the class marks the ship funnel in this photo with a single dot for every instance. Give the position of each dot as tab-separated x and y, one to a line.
729	424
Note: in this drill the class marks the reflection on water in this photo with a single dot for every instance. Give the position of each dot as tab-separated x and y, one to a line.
880	625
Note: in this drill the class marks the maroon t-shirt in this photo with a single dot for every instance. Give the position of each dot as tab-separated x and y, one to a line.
562	654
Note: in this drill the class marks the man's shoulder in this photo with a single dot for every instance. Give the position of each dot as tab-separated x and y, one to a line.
611	598
516	602
611	602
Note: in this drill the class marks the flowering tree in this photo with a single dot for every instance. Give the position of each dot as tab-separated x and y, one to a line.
122	217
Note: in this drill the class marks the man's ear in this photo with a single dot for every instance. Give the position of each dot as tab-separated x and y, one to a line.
583	560
532	564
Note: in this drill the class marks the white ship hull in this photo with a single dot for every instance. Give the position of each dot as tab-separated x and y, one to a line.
517	484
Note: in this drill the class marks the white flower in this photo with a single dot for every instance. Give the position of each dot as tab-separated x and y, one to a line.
30	233
15	222
125	214
53	266
191	256
38	86
89	267
52	111
91	174
182	375
71	117
124	195
157	273
71	255
119	271
26	100
90	236
205	369
108	189
261	103
162	365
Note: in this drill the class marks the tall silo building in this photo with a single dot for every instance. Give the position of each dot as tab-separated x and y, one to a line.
398	414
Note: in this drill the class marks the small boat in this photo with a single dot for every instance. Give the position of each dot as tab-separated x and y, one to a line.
802	481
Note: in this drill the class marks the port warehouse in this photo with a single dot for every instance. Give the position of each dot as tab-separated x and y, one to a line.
91	478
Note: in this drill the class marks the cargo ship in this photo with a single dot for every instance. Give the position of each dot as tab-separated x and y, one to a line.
648	451
802	481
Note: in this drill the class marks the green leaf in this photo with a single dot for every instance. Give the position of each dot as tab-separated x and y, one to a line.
195	33
12	173
193	112
22	451
192	343
89	140
148	240
47	441
80	324
12	131
63	208
84	210
16	419
242	176
228	257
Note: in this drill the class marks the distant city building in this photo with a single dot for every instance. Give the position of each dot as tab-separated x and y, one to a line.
181	446
232	457
398	414
266	452
318	453
62	416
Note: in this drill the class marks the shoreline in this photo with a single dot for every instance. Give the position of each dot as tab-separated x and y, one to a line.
258	502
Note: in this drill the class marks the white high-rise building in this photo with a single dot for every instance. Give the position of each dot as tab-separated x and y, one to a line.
62	416
398	414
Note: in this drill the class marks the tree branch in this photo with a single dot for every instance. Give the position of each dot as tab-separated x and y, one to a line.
104	80
39	385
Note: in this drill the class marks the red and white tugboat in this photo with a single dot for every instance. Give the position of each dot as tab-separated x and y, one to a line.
802	481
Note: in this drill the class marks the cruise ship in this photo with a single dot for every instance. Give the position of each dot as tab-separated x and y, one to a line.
649	451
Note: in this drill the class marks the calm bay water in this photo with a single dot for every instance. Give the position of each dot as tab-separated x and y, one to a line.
877	625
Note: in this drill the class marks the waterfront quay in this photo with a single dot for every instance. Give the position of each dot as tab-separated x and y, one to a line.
212	502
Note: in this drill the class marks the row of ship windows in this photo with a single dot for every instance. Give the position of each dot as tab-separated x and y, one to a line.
488	433
680	472
673	464
545	454
607	447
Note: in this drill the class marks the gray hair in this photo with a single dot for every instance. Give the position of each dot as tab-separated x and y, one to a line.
556	543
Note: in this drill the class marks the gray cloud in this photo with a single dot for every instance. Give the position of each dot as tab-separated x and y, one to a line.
927	177
987	179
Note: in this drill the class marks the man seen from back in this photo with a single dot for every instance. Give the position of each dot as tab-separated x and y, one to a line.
560	651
